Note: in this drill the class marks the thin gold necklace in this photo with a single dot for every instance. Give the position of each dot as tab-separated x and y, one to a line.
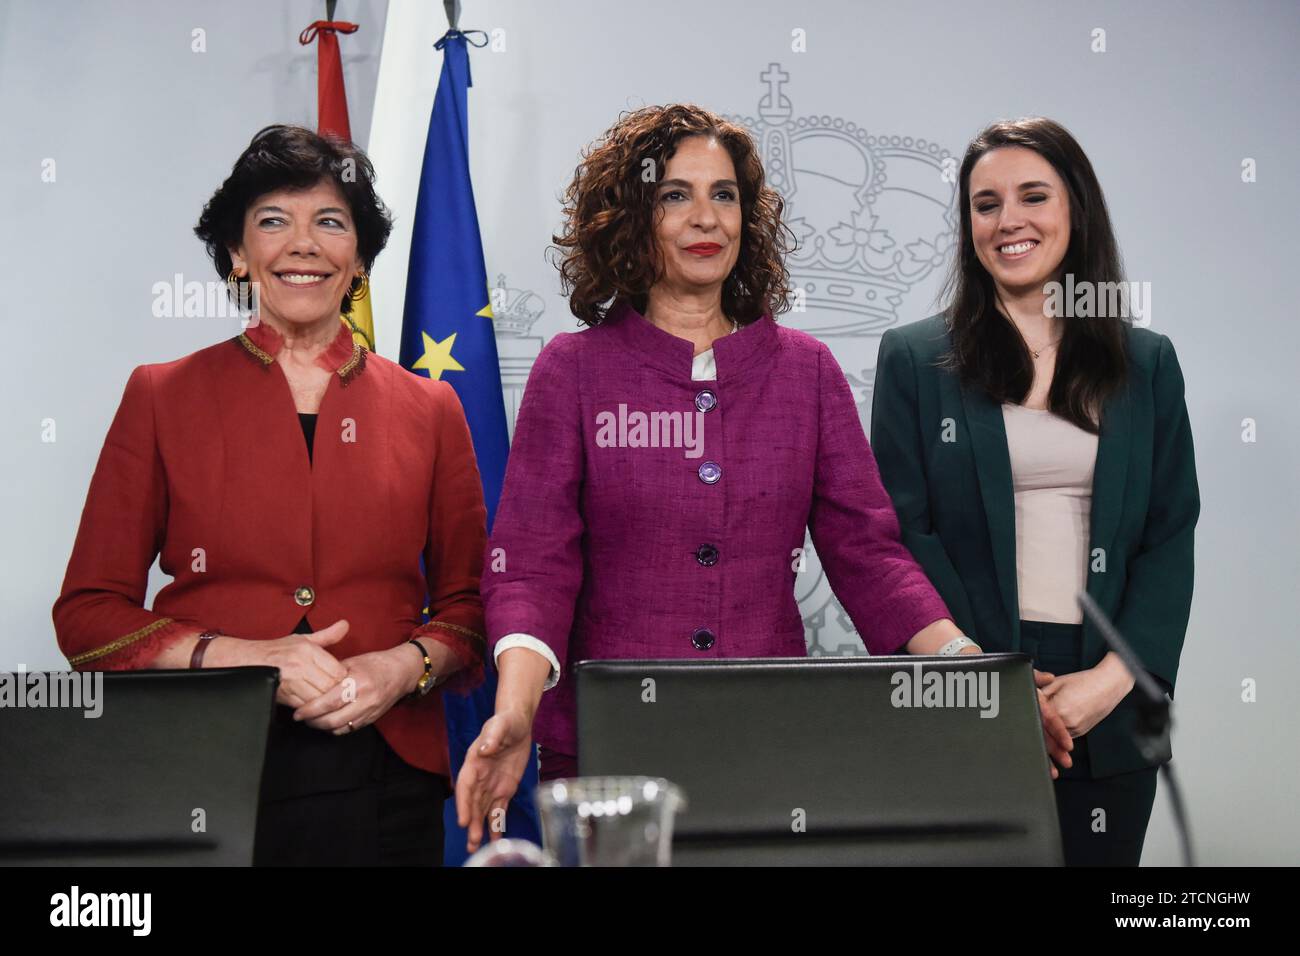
1039	351
1036	352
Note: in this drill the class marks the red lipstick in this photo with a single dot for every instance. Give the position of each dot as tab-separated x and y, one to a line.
705	248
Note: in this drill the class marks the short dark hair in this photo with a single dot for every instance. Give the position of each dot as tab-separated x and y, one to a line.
987	351
293	157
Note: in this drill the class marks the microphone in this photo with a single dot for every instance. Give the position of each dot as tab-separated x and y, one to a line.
1153	718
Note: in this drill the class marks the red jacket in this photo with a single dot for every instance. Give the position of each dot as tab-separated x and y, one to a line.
205	463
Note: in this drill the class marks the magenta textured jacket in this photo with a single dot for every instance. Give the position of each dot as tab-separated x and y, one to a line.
606	546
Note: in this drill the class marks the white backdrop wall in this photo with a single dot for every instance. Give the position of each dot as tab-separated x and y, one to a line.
142	129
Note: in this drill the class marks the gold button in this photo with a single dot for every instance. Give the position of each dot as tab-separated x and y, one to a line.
304	596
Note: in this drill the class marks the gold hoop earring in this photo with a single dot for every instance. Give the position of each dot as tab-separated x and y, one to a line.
356	295
243	293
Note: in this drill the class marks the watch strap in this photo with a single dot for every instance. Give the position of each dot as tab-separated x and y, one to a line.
201	648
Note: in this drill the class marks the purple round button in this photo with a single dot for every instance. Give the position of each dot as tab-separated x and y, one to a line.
710	472
703	639
706	401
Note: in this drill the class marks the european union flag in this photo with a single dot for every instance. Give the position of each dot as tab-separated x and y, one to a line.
447	334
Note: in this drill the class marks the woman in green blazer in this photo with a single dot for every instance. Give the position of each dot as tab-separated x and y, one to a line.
1035	444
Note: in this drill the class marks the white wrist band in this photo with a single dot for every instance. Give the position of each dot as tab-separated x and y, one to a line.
953	647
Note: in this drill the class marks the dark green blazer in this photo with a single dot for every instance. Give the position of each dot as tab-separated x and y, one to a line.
956	507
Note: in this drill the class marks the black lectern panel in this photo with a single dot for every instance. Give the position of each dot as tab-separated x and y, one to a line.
832	761
167	774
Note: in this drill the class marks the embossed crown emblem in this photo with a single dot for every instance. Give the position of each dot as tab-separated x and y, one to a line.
873	215
514	310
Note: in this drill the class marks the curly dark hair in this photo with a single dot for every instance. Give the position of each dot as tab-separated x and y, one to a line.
293	157
607	250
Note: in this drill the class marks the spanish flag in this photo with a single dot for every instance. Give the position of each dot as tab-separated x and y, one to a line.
332	121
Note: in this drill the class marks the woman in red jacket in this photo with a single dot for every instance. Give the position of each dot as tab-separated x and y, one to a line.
292	484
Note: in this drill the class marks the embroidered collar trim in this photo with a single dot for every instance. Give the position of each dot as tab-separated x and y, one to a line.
343	356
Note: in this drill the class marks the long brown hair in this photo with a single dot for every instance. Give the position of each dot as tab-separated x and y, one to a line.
606	249
987	350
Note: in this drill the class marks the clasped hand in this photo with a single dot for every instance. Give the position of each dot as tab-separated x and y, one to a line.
335	695
1085	698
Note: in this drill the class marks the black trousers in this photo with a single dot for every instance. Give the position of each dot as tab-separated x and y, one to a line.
348	800
1103	819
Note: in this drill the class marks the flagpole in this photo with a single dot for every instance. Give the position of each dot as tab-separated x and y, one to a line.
448	334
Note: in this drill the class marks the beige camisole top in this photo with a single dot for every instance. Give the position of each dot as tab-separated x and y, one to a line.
1051	470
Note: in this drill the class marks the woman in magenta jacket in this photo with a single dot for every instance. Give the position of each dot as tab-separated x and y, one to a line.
668	459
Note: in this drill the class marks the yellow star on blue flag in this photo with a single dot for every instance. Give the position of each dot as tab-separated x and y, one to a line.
437	356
